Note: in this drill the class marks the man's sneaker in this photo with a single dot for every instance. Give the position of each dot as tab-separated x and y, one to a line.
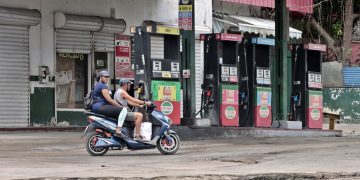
139	138
120	135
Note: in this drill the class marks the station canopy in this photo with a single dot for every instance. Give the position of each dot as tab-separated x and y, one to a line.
249	24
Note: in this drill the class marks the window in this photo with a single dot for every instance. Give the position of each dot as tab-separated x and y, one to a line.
71	79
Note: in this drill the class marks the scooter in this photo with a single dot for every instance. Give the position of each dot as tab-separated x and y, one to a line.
100	134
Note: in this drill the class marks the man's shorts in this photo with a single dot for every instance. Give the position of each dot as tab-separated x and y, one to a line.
130	116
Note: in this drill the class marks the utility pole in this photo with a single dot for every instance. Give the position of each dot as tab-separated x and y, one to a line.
187	24
282	65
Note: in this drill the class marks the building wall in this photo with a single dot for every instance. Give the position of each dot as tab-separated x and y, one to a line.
42	49
355	53
203	14
42	41
235	9
344	101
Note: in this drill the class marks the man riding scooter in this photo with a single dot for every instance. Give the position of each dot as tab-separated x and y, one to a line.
123	98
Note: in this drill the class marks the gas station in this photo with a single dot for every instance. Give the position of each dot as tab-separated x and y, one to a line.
246	75
244	83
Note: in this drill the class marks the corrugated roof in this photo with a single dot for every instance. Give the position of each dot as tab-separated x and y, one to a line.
351	76
250	24
303	6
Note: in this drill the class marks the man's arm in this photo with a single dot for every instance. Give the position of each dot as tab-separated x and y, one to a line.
134	104
131	99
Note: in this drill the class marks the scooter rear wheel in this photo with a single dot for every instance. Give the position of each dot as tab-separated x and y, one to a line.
169	148
90	144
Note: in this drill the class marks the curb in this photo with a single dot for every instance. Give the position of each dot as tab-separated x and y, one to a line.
43	129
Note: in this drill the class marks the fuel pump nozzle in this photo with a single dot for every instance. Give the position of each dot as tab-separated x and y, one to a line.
243	98
295	100
206	99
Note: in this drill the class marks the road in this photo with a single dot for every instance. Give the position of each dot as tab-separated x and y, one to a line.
62	155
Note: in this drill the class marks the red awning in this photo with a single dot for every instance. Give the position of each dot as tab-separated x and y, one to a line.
302	6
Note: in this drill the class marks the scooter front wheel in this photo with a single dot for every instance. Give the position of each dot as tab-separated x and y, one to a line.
91	140
167	147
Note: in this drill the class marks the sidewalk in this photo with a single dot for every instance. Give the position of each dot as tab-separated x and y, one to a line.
191	133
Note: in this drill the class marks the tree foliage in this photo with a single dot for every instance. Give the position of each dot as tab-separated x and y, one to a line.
330	18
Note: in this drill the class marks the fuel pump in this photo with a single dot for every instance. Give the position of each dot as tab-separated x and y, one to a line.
255	82
307	96
157	67
220	89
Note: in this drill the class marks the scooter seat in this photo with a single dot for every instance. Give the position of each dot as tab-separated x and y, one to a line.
126	123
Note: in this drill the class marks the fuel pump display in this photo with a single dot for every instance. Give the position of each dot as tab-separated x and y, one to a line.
255	81
157	66
220	78
307	96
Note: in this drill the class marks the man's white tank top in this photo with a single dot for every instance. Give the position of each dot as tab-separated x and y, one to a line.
119	99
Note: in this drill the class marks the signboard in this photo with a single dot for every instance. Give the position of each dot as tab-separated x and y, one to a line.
166	96
314	110
263	113
263	41
185	14
123	57
228	37
316	47
229	109
167	30
186	73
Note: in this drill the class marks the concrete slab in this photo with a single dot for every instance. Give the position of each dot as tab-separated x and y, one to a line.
232	132
287	124
193	133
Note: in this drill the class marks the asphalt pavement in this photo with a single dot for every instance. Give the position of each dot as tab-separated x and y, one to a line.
57	155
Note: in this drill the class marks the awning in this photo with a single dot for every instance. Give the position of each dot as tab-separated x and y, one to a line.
302	6
19	17
89	23
253	25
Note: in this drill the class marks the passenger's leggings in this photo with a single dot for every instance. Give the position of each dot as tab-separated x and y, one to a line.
115	112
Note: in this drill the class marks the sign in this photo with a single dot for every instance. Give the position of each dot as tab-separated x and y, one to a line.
185	15
314	114
263	41
316	47
263	107
123	57
228	37
167	30
229	109
75	56
166	107
166	96
186	73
